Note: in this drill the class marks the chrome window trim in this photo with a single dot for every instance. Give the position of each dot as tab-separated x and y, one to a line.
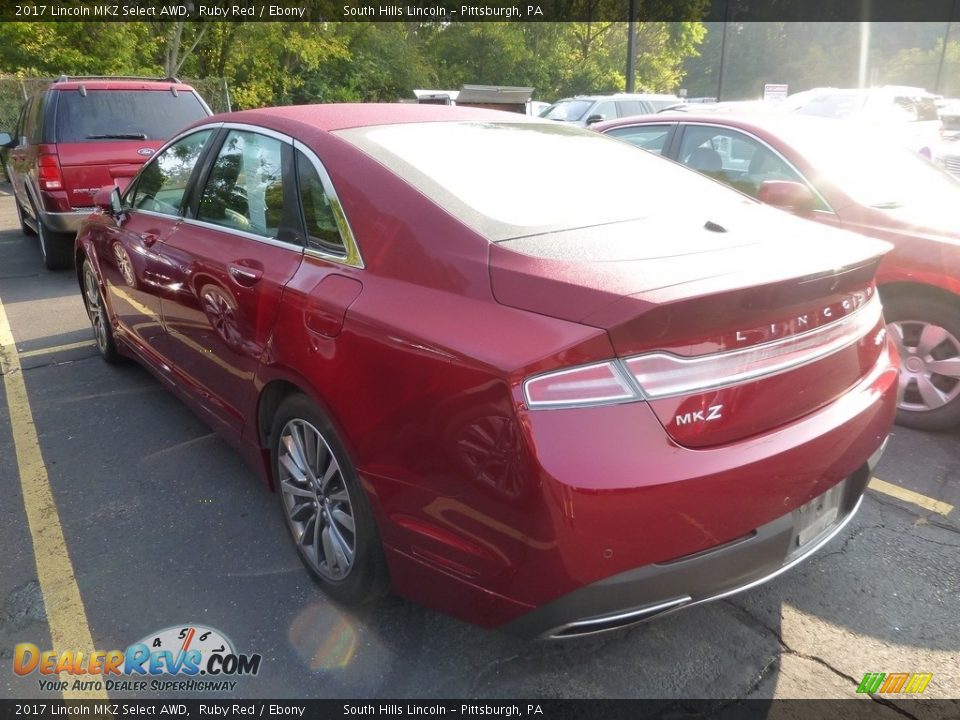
153	213
767	145
352	256
243	234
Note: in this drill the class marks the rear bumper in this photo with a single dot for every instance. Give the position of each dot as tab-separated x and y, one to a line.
652	591
613	517
65	222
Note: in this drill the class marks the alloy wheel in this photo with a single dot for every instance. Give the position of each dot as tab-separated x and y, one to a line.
929	365
316	500
95	310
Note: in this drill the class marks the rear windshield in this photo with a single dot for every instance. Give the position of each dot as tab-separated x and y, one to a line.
108	115
510	179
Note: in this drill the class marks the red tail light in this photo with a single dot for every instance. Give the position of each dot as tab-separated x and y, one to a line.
598	384
48	172
661	375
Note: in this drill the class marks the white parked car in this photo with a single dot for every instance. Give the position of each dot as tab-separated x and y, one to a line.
907	114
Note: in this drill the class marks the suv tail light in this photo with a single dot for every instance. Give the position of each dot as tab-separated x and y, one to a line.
660	375
48	172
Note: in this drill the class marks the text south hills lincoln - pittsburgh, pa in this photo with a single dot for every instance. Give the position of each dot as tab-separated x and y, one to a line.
505	12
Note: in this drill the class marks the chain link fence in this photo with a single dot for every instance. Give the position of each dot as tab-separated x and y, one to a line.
14	90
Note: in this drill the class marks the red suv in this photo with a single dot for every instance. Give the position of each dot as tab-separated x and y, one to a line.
79	134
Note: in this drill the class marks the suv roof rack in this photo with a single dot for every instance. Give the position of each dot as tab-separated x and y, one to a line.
70	78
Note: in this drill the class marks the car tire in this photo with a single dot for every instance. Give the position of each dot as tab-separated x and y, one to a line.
24	228
56	248
99	317
324	506
927	333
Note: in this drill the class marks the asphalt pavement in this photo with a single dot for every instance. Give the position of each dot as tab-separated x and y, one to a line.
163	525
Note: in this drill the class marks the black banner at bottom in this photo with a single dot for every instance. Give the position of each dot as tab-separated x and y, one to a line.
866	707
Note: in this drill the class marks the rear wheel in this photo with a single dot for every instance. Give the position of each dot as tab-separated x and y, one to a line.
56	248
24	228
927	333
325	508
97	312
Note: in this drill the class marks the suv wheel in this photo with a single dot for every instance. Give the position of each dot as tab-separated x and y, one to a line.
56	248
24	228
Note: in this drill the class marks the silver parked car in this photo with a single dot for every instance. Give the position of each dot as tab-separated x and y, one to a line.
584	110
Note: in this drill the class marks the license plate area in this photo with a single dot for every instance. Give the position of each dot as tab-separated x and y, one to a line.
814	518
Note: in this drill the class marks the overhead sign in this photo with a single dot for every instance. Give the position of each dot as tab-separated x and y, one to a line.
775	92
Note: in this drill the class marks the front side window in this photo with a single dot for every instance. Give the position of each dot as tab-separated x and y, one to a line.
162	184
735	159
648	137
567	110
319	213
603	111
244	190
630	107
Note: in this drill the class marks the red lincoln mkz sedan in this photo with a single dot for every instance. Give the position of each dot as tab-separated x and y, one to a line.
527	401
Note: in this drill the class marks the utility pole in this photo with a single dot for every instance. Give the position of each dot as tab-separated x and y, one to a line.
632	47
943	51
723	54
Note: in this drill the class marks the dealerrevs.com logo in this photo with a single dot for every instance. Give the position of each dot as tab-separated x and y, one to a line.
200	658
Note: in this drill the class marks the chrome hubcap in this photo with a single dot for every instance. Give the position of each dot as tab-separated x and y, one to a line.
316	500
95	308
929	365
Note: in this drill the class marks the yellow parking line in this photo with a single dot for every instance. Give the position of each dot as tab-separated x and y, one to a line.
914	498
58	348
66	615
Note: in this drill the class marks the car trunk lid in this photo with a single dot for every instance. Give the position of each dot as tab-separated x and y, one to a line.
731	325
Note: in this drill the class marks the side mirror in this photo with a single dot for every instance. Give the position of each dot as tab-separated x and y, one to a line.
594	119
787	195
108	200
5	140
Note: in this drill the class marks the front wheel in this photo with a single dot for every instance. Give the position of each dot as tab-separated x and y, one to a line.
324	505
97	312
927	333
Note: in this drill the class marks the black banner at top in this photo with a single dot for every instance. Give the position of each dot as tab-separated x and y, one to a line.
473	11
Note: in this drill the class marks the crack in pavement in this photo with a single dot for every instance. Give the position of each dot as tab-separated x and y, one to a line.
752	619
930	518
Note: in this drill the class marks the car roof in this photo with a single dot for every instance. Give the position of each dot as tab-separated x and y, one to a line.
772	121
620	96
341	116
118	84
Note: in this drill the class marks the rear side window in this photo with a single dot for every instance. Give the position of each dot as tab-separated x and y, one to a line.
32	125
163	182
318	212
106	115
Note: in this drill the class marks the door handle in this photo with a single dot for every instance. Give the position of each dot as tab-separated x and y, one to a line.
244	275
